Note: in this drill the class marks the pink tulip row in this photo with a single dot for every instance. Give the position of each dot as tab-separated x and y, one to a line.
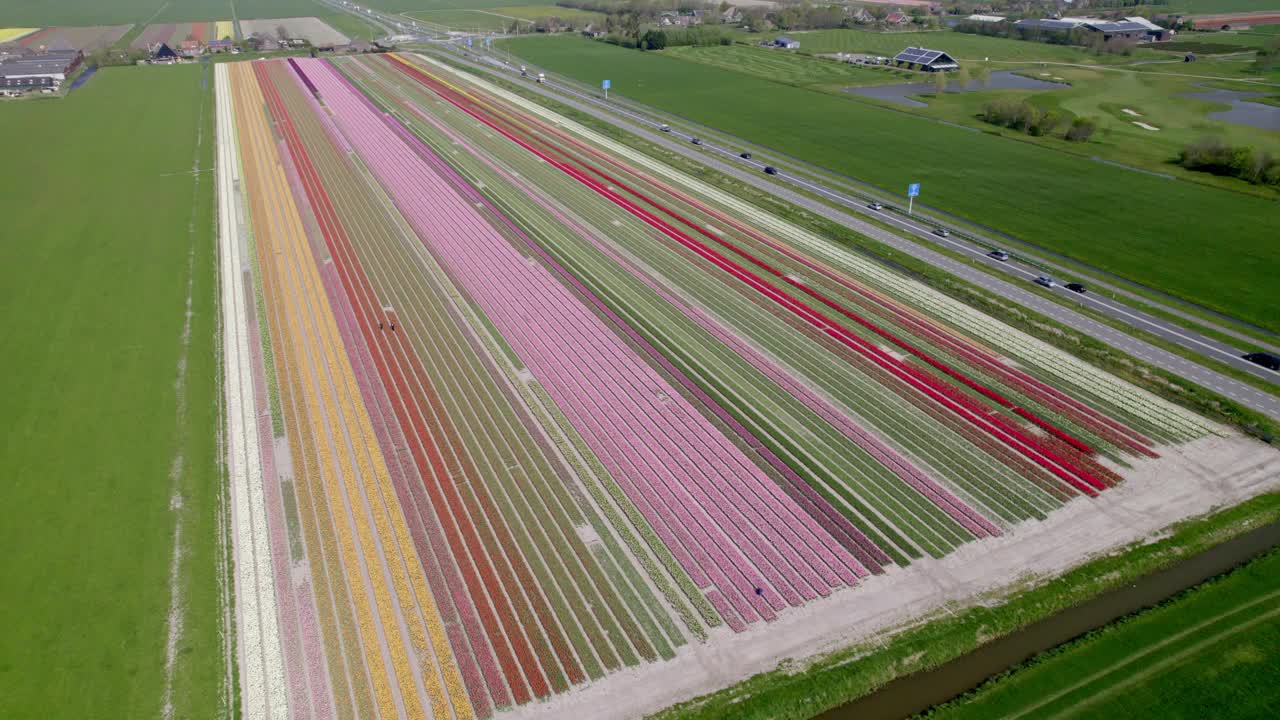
721	515
808	500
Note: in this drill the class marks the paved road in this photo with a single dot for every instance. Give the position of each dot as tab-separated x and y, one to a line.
1020	292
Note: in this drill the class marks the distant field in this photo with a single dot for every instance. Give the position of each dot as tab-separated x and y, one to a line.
1213	652
353	27
465	19
1219	6
312	29
10	34
962	46
93	292
786	67
87	39
1061	201
533	12
97	12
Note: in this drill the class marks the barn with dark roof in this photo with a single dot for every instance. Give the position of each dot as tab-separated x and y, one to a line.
929	60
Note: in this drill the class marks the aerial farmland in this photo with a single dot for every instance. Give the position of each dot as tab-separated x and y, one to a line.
409	359
519	419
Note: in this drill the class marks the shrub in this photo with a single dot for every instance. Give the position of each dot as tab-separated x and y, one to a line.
1081	129
1213	156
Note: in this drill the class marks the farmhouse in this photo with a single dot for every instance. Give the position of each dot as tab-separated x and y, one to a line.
162	54
191	48
217	46
928	60
897	18
42	70
783	41
985	18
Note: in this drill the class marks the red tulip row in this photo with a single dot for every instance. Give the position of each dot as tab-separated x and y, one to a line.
613	188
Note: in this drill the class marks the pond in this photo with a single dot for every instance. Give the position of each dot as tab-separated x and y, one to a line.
1243	110
1000	80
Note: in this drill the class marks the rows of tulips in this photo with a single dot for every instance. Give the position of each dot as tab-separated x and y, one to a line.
492	428
604	380
385	366
1070	373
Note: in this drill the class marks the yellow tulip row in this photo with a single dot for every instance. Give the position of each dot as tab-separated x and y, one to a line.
302	443
365	490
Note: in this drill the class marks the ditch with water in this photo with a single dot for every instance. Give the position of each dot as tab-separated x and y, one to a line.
920	691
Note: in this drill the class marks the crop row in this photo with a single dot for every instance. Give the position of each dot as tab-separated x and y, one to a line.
441	452
1085	381
717	367
604	381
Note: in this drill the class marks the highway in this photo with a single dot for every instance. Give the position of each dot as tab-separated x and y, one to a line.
1018	288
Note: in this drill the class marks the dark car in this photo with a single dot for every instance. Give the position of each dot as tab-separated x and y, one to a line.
745	156
770	170
942	232
1266	360
1075	287
696	141
876	206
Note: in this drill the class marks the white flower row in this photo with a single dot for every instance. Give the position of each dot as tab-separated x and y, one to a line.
263	692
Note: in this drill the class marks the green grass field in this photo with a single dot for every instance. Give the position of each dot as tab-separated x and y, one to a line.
533	12
353	27
1211	246
93	289
1212	652
465	19
1157	99
963	46
787	67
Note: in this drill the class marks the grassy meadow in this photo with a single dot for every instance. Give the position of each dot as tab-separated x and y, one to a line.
1119	100
99	222
1206	244
464	19
788	68
1214	652
962	46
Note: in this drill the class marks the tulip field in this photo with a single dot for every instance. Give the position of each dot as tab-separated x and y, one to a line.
512	407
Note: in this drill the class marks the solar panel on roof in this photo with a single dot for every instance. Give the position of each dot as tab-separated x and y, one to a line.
920	56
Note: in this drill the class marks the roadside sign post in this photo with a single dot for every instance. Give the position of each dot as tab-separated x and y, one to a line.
912	191
606	85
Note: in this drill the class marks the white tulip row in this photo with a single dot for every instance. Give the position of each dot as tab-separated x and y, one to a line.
263	692
1067	368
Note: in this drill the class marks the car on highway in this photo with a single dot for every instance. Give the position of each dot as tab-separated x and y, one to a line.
664	128
1266	360
942	232
1000	255
696	141
745	155
876	206
770	170
1075	287
1046	281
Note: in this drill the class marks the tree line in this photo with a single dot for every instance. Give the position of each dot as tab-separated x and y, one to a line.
1212	155
1025	117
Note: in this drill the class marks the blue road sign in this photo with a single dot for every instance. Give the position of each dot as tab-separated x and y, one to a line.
607	84
913	189
468	42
